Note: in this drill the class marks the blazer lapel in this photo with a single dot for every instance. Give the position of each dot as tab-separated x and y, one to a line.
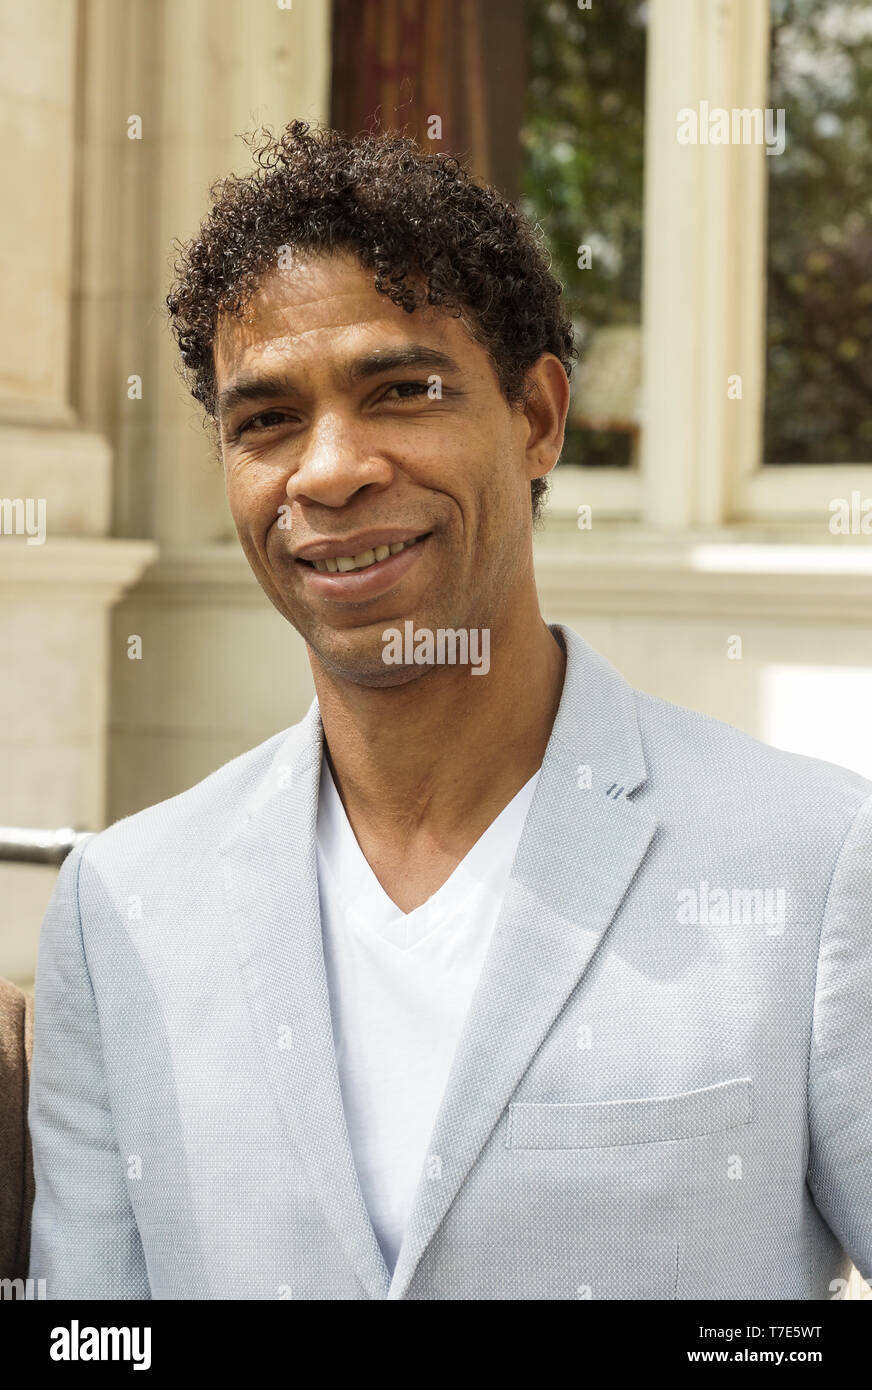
271	887
581	846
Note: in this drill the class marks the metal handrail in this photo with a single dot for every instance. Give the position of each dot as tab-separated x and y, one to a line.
24	846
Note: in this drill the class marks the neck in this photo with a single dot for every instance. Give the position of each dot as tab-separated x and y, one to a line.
449	748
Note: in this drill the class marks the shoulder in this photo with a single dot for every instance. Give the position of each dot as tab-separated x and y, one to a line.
192	820
693	752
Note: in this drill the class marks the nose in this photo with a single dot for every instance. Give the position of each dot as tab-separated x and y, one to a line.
337	463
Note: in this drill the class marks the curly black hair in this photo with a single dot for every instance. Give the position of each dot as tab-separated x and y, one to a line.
431	234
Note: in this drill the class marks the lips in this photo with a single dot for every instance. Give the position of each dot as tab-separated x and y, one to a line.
344	564
359	550
362	577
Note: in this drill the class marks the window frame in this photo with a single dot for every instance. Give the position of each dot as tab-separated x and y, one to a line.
704	305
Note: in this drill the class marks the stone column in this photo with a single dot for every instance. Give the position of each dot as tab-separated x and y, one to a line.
59	574
197	75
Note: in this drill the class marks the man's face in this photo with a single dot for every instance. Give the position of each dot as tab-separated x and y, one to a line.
348	426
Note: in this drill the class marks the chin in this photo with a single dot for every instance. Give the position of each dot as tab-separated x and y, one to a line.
355	655
371	673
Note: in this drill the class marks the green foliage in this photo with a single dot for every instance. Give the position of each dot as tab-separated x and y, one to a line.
582	181
583	147
819	323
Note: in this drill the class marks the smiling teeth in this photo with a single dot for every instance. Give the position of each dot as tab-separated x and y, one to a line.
344	563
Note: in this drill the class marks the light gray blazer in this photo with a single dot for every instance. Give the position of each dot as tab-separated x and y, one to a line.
642	1105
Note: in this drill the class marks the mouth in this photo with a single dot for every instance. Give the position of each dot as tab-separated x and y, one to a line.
365	575
365	559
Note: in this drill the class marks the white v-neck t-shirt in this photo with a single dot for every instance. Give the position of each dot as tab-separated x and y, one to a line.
400	987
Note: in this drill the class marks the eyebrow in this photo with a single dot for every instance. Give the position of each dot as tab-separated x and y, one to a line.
269	386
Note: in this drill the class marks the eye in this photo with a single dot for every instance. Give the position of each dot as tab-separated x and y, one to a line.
266	420
408	389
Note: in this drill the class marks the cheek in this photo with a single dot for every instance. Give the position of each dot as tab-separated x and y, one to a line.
471	470
494	489
254	503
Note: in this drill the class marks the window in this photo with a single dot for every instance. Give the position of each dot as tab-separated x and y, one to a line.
581	180
819	259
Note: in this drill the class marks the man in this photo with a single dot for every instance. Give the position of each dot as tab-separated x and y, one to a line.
493	978
16	1170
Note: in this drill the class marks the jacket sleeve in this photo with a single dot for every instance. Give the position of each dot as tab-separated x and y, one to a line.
840	1058
16	1183
84	1240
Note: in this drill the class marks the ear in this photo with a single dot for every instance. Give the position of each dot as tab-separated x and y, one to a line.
545	409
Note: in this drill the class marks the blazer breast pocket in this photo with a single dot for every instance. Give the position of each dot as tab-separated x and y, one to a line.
612	1123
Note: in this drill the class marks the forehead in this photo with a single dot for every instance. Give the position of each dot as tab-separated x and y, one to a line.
327	305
